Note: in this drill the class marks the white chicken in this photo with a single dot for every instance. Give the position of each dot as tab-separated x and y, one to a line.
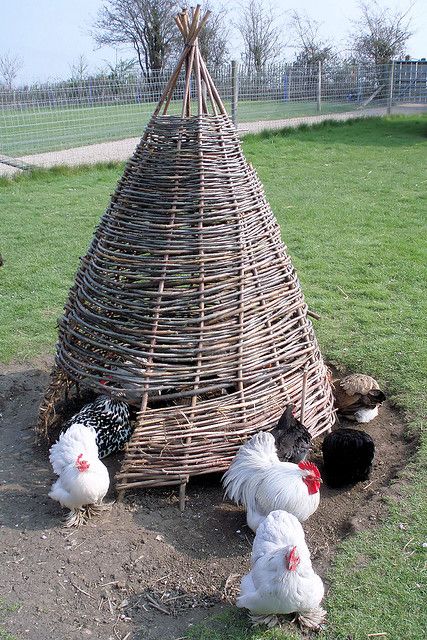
258	480
83	479
281	579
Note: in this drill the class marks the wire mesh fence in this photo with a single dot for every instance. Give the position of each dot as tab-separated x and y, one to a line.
69	114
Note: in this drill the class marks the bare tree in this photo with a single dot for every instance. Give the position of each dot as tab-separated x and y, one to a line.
9	68
121	69
261	34
79	69
214	37
147	25
311	49
380	34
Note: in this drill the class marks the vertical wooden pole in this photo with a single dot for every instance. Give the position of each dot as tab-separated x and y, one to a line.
304	392
400	79
234	91
319	87
390	89
410	80
182	488
416	82
204	96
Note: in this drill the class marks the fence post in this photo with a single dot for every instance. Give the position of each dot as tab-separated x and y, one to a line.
319	88
390	89
416	82
234	92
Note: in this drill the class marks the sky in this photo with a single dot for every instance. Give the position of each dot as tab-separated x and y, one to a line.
50	35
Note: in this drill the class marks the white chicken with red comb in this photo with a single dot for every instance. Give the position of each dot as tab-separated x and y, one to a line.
257	479
282	579
83	479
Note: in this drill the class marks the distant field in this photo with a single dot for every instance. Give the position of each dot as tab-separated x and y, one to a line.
32	131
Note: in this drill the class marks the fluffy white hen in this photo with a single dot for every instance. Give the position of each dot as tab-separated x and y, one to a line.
281	579
258	480
83	479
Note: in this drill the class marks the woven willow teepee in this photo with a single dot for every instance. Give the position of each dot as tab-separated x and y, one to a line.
187	304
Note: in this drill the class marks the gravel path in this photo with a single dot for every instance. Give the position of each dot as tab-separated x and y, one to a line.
122	149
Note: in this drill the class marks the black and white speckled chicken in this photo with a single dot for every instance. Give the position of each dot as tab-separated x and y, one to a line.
111	420
292	438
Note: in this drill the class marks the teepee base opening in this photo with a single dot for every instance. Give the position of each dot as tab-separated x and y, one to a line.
182	483
175	438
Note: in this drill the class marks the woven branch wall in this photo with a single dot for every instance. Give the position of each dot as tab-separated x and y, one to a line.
187	304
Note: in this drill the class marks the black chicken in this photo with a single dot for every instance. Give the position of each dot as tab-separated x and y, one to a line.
111	420
347	457
292	438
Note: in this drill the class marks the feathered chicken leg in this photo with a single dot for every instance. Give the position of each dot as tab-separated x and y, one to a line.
92	510
75	518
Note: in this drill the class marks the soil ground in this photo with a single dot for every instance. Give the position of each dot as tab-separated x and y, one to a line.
144	571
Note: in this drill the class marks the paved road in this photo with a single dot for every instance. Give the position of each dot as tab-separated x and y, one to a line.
123	149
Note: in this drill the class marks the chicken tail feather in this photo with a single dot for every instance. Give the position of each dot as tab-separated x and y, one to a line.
258	454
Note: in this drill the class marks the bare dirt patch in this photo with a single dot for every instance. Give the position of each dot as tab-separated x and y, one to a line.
144	571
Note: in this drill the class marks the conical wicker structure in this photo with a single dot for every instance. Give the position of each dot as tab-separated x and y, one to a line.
187	303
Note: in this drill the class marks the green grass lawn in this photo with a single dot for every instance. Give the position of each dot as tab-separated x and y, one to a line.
5	609
32	131
351	202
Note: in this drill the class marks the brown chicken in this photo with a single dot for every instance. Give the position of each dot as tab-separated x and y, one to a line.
357	397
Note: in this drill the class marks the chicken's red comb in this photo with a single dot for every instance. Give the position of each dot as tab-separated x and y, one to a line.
293	559
309	466
82	465
294	553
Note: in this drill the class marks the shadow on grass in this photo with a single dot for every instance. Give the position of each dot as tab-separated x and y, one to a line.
41	173
390	131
